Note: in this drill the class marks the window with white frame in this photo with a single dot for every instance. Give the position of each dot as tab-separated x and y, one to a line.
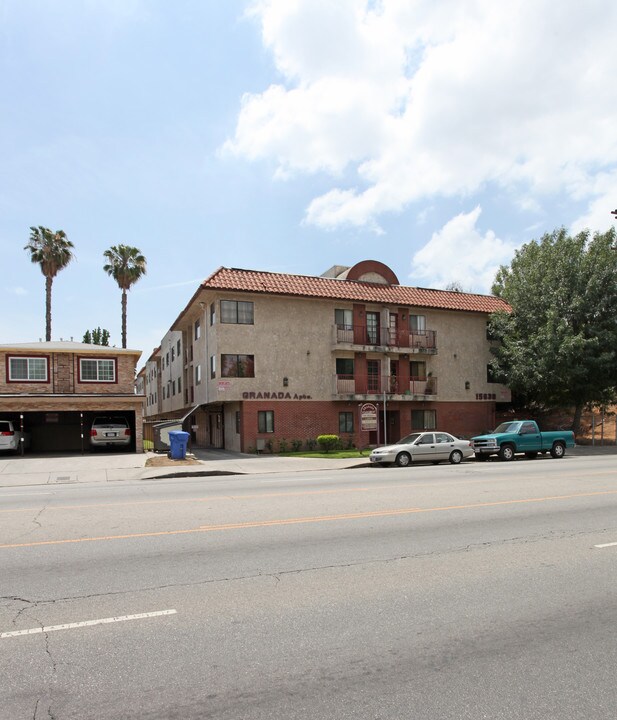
28	369
97	370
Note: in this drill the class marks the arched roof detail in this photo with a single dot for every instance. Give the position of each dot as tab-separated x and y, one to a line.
372	271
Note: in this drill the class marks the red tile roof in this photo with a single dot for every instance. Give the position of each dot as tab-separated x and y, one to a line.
270	283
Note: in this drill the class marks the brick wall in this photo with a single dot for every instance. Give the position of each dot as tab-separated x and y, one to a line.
306	420
63	375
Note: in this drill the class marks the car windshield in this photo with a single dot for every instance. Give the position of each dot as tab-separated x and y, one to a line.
507	427
409	439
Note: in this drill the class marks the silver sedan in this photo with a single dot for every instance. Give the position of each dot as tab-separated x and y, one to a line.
423	447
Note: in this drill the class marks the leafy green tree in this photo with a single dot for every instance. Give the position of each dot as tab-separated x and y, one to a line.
558	346
96	337
52	251
125	265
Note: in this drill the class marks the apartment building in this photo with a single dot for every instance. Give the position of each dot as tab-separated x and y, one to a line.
55	389
259	358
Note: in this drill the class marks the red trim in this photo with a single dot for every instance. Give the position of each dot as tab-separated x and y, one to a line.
372	266
106	382
18	382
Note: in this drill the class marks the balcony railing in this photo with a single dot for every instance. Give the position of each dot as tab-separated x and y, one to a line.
376	384
421	340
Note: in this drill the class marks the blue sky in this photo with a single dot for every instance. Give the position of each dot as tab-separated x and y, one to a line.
292	135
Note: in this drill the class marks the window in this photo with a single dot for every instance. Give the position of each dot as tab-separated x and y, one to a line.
265	421
197	329
173	387
197	374
423	419
343	319
372	328
372	367
97	370
417	370
237	422
167	359
173	353
178	349
179	386
163	391
212	366
345	422
28	369
212	313
417	323
237	366
344	366
236	312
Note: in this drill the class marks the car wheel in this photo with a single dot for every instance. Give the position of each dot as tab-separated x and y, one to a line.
506	452
558	450
403	459
455	457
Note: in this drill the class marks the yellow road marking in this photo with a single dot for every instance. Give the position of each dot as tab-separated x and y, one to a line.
301	520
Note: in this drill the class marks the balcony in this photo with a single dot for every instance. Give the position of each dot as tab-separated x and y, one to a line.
359	387
424	341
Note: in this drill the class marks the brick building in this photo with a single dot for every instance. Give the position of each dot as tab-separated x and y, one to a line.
54	389
256	358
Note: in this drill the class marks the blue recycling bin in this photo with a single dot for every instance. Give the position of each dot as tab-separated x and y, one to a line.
178	440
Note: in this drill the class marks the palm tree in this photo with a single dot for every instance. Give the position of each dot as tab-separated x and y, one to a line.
126	265
53	252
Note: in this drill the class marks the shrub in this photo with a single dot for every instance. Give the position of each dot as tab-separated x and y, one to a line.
296	445
327	443
283	447
310	444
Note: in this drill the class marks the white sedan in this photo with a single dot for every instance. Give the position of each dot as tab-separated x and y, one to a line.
423	447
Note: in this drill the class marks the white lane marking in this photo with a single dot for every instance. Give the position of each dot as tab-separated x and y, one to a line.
606	545
86	623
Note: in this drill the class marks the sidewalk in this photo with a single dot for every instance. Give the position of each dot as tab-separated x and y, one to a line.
18	471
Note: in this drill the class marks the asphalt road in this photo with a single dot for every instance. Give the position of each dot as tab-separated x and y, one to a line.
473	591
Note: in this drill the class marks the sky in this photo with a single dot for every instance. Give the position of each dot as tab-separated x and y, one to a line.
435	136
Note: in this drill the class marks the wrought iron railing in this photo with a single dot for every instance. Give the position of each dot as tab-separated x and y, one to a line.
392	337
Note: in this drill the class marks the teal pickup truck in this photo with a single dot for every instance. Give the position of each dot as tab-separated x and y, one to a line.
521	436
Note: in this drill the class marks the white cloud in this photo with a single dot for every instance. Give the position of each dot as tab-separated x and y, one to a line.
18	290
460	253
422	99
